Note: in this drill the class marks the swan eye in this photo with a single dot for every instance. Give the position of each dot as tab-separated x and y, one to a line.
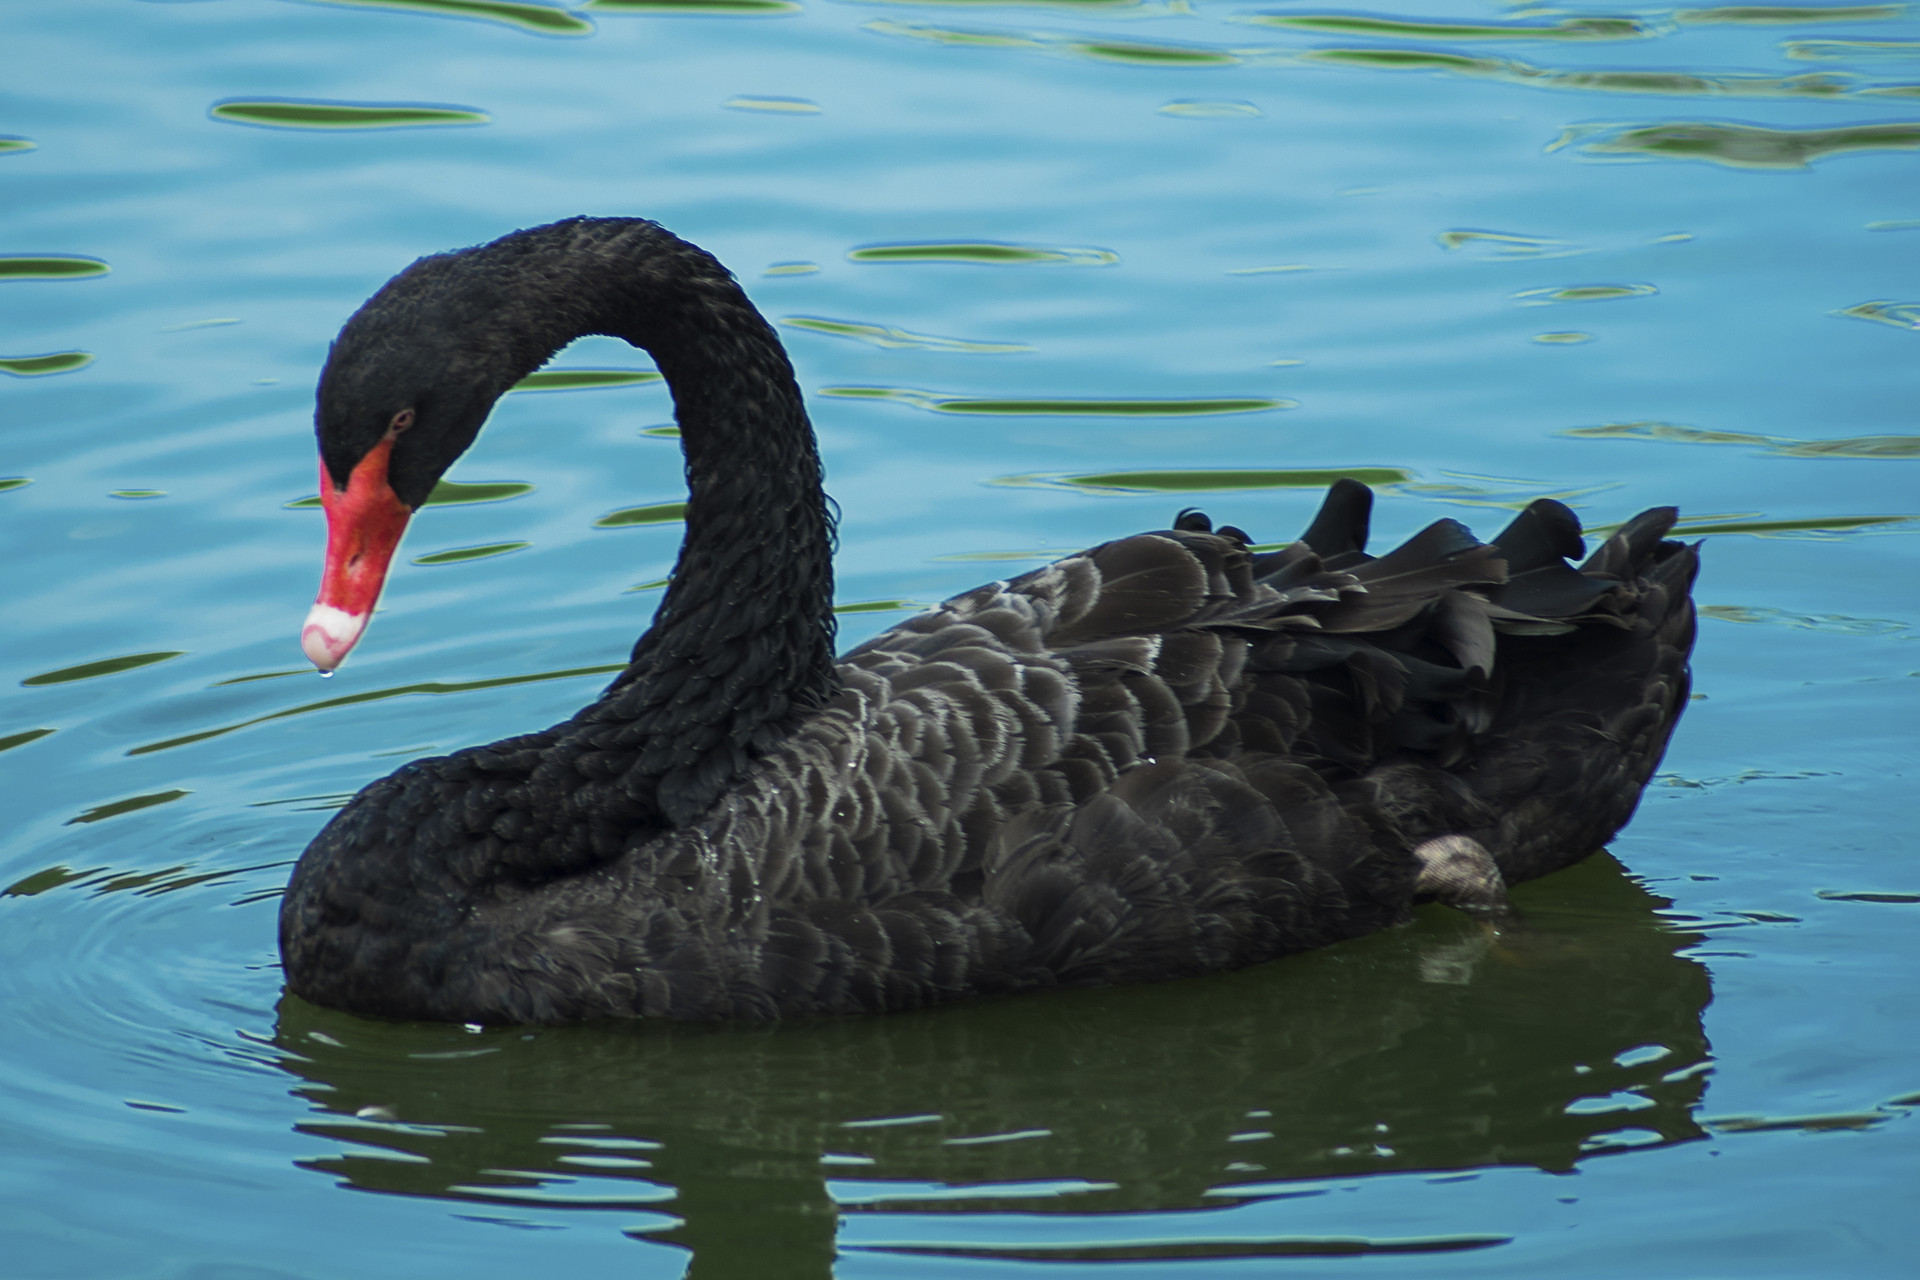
401	421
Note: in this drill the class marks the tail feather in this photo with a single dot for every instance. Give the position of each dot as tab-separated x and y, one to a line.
1340	528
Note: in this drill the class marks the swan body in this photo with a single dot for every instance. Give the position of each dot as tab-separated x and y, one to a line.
1164	756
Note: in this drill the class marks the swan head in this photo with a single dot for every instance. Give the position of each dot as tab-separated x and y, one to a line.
407	386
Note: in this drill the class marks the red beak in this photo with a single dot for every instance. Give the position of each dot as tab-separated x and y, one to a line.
365	522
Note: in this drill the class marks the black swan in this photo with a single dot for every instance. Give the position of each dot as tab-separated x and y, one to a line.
1164	756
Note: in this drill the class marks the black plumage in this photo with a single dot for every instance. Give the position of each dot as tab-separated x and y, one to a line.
1166	755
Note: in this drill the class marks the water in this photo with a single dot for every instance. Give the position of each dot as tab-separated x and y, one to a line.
1048	273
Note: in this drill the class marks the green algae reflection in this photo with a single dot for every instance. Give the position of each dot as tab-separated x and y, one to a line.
888	337
12	740
984	252
1503	244
13	146
102	667
127	806
1855	447
14	482
584	379
460	555
47	267
297	113
878	606
539	19
145	883
937	403
448	493
1823	85
1900	315
1210	109
714	8
377	695
1584	293
131	804
1360	24
1848	50
627	517
1762	15
1838	624
773	105
1817	526
39	366
1740	146
1212	481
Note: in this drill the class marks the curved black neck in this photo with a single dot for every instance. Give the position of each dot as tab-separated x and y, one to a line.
742	644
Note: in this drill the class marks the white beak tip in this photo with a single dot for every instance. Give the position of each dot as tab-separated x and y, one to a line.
329	635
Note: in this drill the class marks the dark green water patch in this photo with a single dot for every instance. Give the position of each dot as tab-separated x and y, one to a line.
301	113
456	493
1769	15
459	555
263	675
1197	1250
960	39
37	366
1213	481
145	883
1901	315
661	432
877	606
776	106
714	8
49	267
1674	433
984	252
1902	899
377	695
13	482
1839	1122
1853	447
137	495
888	337
1512	71
1209	109
10	145
1091	408
538	18
12	740
132	804
1838	624
448	493
1504	244
103	667
1585	293
1152	55
1138	53
659	513
1742	146
1084	6
1372	26
584	379
1847	50
45	879
1818	526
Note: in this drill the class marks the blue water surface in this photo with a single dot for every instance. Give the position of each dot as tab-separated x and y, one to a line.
1674	261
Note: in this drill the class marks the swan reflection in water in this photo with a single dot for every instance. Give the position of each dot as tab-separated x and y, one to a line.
1440	1046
